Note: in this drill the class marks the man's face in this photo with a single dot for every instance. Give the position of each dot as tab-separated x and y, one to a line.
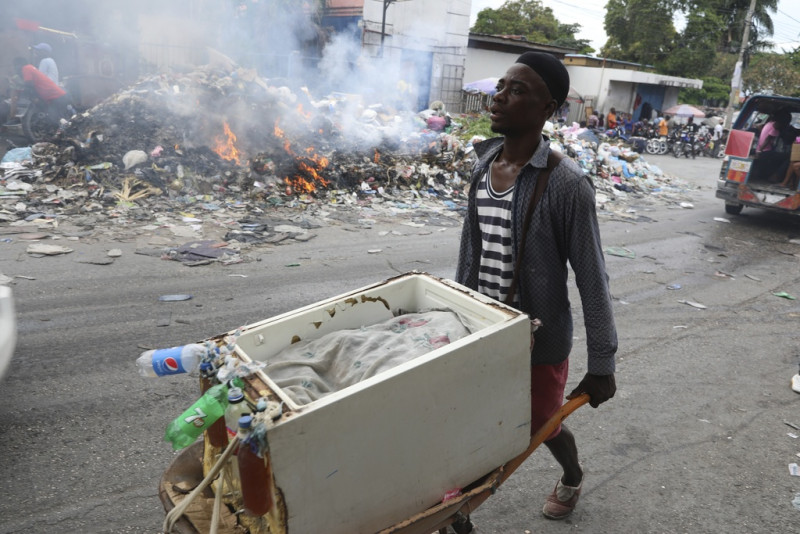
522	103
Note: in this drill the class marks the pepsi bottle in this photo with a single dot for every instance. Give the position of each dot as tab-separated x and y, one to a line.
172	361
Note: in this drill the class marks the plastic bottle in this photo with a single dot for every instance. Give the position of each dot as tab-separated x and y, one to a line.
185	429
255	473
216	434
172	361
237	407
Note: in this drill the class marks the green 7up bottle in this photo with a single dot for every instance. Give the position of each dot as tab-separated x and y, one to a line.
185	429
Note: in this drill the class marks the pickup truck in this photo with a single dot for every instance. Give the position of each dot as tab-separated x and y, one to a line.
753	175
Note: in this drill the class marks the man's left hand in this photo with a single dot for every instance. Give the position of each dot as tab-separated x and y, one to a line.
599	387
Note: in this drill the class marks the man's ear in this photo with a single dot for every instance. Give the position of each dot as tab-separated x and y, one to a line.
551	108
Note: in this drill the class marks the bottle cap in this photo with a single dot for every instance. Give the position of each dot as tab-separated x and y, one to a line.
235	394
245	421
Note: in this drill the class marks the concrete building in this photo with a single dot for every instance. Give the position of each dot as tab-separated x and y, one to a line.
627	87
427	43
595	83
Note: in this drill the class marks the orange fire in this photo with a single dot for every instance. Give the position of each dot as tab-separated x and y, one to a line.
310	164
226	148
303	112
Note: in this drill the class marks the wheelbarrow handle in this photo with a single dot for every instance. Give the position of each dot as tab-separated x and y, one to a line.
543	433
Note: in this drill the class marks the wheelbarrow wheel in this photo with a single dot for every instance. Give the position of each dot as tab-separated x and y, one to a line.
462	525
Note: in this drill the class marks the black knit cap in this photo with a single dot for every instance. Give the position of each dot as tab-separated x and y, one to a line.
551	70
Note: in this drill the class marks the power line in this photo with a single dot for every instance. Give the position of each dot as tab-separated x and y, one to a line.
787	15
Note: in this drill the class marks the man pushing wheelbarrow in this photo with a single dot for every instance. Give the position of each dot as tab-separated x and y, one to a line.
530	212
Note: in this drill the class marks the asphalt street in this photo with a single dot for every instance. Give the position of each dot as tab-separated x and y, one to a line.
695	440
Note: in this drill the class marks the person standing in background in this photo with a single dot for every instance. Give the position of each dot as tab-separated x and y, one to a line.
611	119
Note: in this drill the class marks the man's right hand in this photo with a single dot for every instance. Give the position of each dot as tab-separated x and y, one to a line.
599	387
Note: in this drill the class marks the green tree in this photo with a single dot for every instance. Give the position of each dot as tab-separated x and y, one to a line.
772	73
695	50
715	93
532	20
640	31
734	13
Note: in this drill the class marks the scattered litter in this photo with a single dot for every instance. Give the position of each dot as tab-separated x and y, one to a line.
795	241
47	250
796	501
133	158
751	277
796	383
17	155
97	261
723	274
619	251
693	304
686	205
721	219
680	326
292	265
791	425
238	275
674	286
374	251
114	253
784	295
174	298
794	470
792	435
704	420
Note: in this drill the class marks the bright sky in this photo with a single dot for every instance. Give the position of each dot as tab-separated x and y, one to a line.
590	14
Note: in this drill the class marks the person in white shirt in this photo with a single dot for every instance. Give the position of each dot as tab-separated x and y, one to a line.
717	137
47	65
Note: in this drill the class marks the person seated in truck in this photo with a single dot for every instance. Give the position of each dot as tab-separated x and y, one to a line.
770	157
792	176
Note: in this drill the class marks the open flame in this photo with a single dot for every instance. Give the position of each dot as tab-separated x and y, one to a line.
226	147
310	164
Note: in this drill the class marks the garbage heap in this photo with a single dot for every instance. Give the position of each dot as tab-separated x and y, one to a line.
235	148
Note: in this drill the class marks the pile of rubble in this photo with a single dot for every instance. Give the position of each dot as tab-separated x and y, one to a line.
230	160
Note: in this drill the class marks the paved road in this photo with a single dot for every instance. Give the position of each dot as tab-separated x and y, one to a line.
694	441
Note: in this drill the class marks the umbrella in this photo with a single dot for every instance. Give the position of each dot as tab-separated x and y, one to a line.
685	110
487	86
574	96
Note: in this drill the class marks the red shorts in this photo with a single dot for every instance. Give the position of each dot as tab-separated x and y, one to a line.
547	393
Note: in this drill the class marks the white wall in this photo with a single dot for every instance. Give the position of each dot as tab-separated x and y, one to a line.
487	64
440	27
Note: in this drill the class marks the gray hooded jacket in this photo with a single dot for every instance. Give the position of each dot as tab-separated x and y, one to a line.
563	228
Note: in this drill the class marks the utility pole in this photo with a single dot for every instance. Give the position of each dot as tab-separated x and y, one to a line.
736	82
383	22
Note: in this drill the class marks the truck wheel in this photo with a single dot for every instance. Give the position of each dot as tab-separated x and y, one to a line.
733	209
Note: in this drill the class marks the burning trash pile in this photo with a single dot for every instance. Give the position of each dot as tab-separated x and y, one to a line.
240	158
233	149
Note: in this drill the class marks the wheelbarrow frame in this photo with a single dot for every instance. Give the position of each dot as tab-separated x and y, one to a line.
436	518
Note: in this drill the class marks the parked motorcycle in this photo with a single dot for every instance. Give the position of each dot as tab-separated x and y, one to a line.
32	120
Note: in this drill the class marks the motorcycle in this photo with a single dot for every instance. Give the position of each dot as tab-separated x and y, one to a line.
685	144
32	119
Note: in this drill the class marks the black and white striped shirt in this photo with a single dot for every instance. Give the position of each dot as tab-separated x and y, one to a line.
494	219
